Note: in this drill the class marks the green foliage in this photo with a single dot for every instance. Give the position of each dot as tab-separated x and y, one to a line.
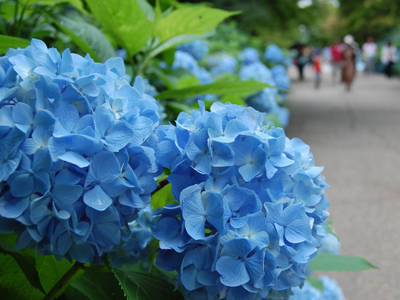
75	3
329	229
338	263
26	262
79	42
189	21
90	38
218	88
124	21
99	285
315	282
7	42
369	17
145	286
15	285
162	197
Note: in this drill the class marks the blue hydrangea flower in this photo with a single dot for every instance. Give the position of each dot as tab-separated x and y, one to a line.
135	240
251	205
185	61
280	76
77	151
221	63
249	56
330	244
331	291
257	71
274	53
198	49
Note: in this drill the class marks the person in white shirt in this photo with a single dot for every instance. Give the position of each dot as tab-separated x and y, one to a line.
369	50
389	57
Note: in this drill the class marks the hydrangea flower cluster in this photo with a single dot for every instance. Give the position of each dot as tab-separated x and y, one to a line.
251	205
185	61
222	63
77	150
135	243
274	53
197	49
330	244
331	291
249	56
265	100
280	77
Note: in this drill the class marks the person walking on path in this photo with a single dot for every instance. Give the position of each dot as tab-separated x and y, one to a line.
389	57
369	50
300	60
336	59
317	67
349	62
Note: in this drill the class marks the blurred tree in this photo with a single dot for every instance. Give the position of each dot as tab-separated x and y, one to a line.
365	18
281	22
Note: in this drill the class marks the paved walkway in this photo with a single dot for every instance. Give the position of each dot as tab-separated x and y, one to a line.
356	136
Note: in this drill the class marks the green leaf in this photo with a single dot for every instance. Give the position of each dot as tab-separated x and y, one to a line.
15	286
146	286
315	282
338	263
329	229
187	81
124	21
218	88
189	20
234	99
178	107
177	40
79	42
7	42
75	3
96	285
162	197
26	262
72	293
91	36
147	9
51	270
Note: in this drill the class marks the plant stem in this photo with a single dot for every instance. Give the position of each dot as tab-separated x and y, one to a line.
160	185
64	281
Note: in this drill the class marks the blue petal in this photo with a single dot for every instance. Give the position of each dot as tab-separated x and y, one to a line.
103	119
103	168
97	199
82	253
118	136
22	185
74	158
233	271
298	231
67	117
107	234
67	193
189	278
239	246
64	243
255	266
11	207
281	161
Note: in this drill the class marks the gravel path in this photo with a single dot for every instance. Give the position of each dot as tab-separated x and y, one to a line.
356	136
